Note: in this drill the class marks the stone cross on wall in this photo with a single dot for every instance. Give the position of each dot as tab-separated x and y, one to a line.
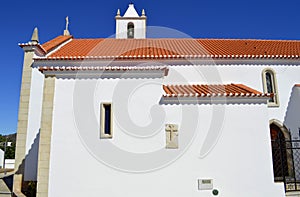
171	136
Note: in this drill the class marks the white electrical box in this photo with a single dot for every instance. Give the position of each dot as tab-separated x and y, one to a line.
205	184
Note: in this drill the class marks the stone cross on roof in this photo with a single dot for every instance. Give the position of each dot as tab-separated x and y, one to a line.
66	31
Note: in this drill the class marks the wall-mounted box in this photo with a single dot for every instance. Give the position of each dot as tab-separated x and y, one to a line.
205	184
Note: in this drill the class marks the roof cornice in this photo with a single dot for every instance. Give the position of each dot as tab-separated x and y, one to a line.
37	48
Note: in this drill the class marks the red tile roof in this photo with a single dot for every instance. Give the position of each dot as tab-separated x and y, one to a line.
297	85
228	90
171	48
52	44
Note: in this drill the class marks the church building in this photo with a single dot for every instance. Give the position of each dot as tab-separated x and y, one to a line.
138	116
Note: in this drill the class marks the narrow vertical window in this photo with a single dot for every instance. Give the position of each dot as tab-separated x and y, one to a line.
106	120
130	30
270	86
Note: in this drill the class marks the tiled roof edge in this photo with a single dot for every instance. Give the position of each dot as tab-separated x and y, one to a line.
29	44
250	92
56	42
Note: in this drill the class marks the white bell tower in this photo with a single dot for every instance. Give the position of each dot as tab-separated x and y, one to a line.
131	25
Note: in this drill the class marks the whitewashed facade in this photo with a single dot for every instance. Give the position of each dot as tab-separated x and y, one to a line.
225	141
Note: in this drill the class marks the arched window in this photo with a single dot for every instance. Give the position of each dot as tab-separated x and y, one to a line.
270	86
130	30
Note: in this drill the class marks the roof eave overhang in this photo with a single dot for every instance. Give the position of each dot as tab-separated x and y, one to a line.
107	73
167	61
215	100
36	48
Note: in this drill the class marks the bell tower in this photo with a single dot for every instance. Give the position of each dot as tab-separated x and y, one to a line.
131	25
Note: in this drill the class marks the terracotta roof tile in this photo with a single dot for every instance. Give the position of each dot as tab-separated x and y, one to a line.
52	44
171	48
228	90
229	47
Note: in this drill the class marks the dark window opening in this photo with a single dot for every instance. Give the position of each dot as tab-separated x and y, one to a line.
270	86
130	30
107	119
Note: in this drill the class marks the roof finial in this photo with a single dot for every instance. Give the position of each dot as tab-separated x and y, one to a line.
143	12
35	36
118	12
66	31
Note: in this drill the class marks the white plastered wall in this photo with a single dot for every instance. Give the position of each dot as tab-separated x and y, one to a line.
34	121
240	162
251	75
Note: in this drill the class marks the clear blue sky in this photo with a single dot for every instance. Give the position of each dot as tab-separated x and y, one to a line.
261	19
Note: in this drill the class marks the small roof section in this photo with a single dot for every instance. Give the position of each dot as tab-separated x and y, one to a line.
50	45
131	12
218	90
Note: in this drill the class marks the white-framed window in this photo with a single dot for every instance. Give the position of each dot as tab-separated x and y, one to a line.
106	120
270	86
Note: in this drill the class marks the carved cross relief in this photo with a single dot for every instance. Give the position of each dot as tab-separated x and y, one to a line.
171	136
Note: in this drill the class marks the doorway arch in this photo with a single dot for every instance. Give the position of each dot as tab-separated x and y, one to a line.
281	152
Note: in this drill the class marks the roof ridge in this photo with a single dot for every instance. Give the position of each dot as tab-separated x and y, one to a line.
212	39
248	39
